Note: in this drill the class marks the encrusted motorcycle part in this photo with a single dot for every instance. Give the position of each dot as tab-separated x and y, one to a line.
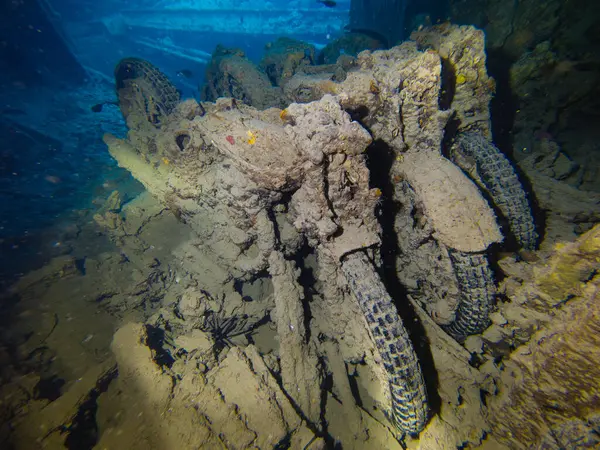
231	74
221	168
461	217
144	91
467	87
499	179
469	90
477	289
284	57
301	372
463	223
409	399
396	94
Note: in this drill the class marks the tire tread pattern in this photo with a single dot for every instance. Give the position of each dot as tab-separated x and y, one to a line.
478	292
408	394
503	186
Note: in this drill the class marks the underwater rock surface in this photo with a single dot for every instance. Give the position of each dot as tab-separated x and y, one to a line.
550	383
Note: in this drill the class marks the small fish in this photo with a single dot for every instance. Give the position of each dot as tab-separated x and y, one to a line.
186	73
52	179
328	3
98	107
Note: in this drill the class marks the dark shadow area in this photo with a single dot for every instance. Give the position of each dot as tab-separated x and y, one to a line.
448	87
326	388
358	114
425	13
49	388
307	281
354	386
503	110
380	158
82	433
155	341
504	104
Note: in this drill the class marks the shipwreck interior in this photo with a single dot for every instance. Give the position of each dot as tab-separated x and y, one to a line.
306	224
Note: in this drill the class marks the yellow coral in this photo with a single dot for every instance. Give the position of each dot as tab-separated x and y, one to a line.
461	79
373	87
166	161
251	137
